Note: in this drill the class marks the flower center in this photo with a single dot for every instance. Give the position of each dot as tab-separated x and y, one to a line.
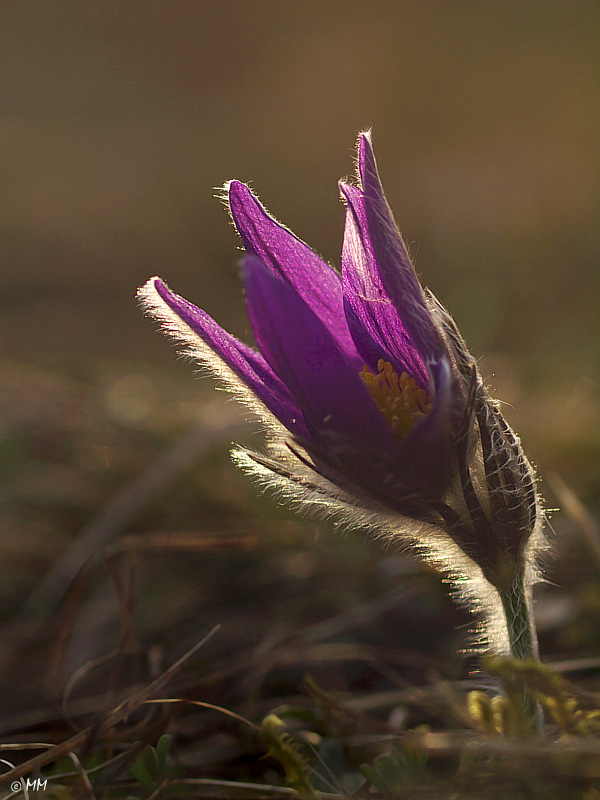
402	402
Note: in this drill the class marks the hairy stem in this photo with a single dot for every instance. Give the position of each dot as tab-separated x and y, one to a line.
519	619
522	636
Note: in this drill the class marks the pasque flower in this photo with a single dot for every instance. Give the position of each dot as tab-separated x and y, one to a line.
374	407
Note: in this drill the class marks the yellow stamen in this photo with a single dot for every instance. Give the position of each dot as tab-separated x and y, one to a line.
402	402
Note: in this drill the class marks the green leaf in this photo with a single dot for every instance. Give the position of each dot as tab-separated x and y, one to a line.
140	774
162	751
150	762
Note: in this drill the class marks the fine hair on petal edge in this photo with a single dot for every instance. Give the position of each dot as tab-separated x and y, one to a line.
315	496
196	350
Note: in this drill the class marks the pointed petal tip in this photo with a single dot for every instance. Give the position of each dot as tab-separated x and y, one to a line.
247	212
365	143
236	194
151	286
366	155
367	165
150	281
239	191
234	186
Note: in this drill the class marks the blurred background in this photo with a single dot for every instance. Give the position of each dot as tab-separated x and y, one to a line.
119	119
119	122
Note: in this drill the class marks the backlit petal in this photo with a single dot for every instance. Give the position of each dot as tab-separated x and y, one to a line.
286	255
396	270
301	351
375	324
248	365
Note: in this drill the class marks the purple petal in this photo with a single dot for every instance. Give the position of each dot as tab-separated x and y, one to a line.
302	352
285	255
395	268
248	365
374	322
420	468
427	449
436	425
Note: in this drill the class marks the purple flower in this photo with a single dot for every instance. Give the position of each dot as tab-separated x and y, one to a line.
373	404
